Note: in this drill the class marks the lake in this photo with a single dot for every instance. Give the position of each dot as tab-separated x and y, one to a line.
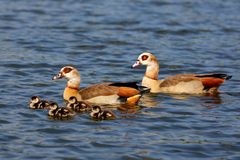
102	39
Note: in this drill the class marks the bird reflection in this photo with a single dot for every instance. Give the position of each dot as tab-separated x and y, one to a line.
128	109
212	101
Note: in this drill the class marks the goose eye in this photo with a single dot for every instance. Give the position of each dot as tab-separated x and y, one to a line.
67	70
144	57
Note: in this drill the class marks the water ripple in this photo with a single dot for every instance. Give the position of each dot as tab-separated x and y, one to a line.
103	39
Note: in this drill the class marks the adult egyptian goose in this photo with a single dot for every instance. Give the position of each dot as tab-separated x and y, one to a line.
104	93
180	83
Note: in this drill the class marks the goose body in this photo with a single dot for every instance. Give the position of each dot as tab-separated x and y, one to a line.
103	93
180	83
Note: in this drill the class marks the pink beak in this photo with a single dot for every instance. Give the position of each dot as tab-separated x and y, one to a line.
136	64
58	76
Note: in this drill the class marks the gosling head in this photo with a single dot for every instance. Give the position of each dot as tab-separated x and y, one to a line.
72	100
96	109
53	106
35	99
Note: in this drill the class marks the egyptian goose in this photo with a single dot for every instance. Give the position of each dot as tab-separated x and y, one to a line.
180	83
57	112
99	114
37	103
104	93
78	106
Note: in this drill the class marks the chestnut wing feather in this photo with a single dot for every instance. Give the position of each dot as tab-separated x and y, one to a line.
102	89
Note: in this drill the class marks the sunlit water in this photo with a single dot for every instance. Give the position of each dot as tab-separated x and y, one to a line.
103	39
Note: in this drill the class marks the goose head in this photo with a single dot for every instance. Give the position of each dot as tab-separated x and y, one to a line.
71	74
146	59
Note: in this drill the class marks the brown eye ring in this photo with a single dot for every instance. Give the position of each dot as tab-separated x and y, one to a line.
144	57
67	70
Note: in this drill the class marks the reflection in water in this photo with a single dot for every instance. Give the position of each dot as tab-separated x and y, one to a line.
146	100
129	109
209	100
212	101
180	96
149	100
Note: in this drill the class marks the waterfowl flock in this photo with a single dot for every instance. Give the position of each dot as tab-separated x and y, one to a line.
72	107
89	100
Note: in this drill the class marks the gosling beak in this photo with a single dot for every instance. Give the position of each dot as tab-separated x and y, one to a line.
136	64
58	76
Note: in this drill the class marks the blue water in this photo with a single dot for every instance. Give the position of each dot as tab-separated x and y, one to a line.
103	39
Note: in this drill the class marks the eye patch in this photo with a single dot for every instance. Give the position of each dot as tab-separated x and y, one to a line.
144	57
67	70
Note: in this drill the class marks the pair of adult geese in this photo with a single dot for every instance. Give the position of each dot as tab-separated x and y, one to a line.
112	93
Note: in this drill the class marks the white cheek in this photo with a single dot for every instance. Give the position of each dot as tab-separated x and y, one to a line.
145	62
66	75
95	111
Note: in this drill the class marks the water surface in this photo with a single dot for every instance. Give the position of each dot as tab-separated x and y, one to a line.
103	39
